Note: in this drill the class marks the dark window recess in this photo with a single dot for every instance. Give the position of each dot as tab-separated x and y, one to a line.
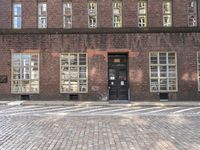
3	79
164	96
73	97
25	97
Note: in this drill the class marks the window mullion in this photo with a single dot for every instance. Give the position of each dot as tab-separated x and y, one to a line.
20	81
158	55
30	73
78	80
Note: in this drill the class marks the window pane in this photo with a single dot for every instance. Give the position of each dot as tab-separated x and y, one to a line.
162	58
172	71
74	72
16	86
16	60
163	71
65	73
192	6
154	85
34	73
42	22
74	86
167	7
16	73
154	58
25	60
34	60
171	58
67	22
154	71
142	7
163	84
25	86
25	73
83	85
42	10
34	86
17	22
192	21
73	59
172	84
65	60
67	8
65	87
167	20
17	10
82	59
82	72
142	21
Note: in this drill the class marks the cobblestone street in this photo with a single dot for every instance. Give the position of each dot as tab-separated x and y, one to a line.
24	128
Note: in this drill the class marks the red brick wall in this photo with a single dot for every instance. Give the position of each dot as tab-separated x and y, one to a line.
5	14
55	12
80	13
180	13
155	11
29	14
105	13
130	12
97	47
198	10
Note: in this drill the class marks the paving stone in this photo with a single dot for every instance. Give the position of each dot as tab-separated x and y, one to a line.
101	132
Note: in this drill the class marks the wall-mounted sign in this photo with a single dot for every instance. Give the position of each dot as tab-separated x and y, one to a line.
3	79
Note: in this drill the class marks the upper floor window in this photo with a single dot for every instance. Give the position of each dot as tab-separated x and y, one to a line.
163	72
192	13
92	14
17	15
167	13
42	15
142	13
117	13
67	15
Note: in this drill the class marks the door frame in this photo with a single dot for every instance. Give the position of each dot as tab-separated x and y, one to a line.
127	68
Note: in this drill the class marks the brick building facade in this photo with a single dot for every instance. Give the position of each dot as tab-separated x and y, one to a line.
122	57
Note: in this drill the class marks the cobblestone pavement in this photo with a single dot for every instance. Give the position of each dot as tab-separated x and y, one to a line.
99	128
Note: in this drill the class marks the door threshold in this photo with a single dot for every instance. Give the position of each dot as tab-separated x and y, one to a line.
119	101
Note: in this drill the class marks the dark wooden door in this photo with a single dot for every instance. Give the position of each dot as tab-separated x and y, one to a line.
118	76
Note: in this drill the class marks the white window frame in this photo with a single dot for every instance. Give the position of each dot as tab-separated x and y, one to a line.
19	16
192	13
67	15
117	23
158	72
198	69
92	13
42	16
167	14
20	80
142	15
78	79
